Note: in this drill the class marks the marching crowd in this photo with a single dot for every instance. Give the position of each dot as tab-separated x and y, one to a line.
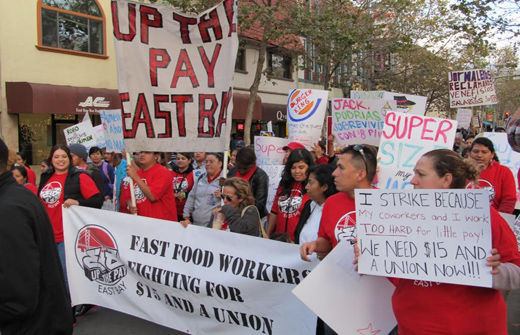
314	206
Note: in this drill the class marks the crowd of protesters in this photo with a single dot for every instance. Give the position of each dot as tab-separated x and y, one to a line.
313	206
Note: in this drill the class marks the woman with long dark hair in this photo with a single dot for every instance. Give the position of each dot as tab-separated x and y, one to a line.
182	180
290	195
20	175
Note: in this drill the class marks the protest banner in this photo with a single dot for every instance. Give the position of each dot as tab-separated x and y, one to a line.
471	88
269	150
113	130
464	116
81	133
305	115
434	235
99	134
371	295
175	76
357	121
194	279
274	172
399	102
405	138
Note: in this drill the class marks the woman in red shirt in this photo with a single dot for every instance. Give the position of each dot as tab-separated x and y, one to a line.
290	195
21	160
182	180
20	175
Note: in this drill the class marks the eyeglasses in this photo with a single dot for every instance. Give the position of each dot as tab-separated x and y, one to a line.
359	148
227	197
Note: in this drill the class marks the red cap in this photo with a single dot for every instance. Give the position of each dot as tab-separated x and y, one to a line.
294	146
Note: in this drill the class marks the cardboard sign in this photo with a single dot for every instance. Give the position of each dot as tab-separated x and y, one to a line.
334	284
305	115
357	121
269	150
464	117
405	138
175	75
194	279
275	175
400	102
472	88
434	235
113	130
81	133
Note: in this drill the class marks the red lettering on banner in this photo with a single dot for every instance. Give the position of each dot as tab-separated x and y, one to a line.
401	127
230	12
441	131
160	114
185	23
125	97
131	22
222	118
210	66
180	102
142	115
184	62
156	22
427	130
207	114
159	58
415	121
207	22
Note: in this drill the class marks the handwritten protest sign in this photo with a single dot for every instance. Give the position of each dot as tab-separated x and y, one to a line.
305	115
81	133
357	121
175	75
372	295
399	102
464	116
472	88
269	150
405	138
274	172
434	235
113	130
195	279
99	134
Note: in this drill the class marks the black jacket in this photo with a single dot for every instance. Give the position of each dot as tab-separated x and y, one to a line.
259	185
33	297
72	188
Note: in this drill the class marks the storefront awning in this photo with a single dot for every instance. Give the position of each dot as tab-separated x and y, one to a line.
240	107
275	112
32	98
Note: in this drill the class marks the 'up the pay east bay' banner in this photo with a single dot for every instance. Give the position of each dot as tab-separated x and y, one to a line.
175	75
405	138
197	280
472	88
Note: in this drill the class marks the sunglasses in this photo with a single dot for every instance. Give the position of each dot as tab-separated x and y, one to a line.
227	197
359	148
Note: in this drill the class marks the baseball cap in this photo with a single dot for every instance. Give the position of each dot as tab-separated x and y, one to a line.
293	146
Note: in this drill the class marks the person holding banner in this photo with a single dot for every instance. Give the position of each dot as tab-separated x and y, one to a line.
290	195
494	176
437	308
205	195
182	180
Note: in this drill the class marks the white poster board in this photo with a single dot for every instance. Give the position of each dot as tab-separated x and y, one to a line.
357	121
99	133
334	286
434	235
274	172
400	102
113	130
464	116
81	133
269	150
305	115
194	279
471	88
175	76
405	138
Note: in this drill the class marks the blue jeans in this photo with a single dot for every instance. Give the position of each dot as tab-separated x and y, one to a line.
61	253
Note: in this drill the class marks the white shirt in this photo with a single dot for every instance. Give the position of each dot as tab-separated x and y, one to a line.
309	231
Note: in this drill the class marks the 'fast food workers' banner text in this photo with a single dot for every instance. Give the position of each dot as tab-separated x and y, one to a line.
195	279
175	75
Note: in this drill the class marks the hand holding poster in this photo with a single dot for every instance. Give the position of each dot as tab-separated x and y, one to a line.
175	76
305	115
472	88
357	121
405	138
433	235
269	150
112	127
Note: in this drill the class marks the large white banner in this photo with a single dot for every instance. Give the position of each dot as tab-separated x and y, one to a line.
405	138
433	235
269	150
305	115
175	75
195	279
400	102
472	88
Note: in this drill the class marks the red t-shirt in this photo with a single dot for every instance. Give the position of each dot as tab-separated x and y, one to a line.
31	177
338	219
182	183
502	187
433	308
288	209
52	197
159	180
33	188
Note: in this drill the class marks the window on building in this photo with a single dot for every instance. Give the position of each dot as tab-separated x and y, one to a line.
279	65
75	26
240	63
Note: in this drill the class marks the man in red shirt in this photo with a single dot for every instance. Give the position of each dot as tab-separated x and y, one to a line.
153	188
355	168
